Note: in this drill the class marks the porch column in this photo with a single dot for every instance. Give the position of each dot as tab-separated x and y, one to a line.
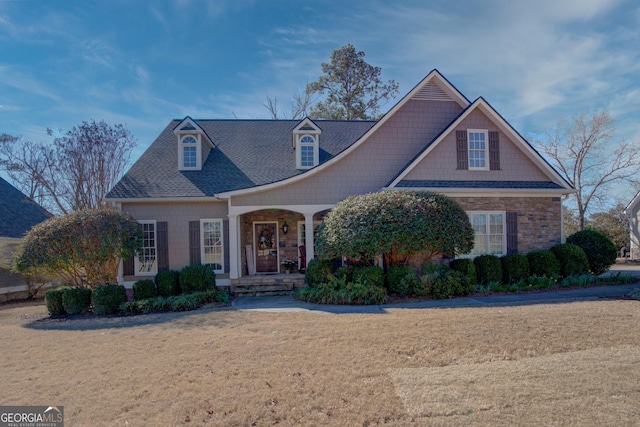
234	247
308	241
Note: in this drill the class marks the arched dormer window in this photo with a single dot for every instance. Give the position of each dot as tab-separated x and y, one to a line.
194	145
307	149
189	152
306	137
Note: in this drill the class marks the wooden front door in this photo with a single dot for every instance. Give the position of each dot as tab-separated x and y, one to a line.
266	244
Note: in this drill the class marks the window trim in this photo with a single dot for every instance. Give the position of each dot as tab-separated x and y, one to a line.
485	132
181	150
300	144
137	263
202	242
486	251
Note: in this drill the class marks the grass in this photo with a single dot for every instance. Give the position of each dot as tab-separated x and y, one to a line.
563	364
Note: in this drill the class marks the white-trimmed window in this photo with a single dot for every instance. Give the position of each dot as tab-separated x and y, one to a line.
490	236
146	263
212	244
478	141
307	153
189	152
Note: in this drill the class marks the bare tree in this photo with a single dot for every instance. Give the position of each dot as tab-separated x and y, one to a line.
73	173
301	100
586	153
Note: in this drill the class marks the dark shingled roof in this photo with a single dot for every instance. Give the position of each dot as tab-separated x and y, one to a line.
248	153
529	185
18	213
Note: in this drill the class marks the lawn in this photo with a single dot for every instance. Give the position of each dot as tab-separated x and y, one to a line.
558	364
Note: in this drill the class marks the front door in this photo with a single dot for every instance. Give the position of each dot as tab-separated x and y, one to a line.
266	244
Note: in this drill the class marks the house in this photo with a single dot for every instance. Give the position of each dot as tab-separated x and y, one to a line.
633	210
18	213
244	195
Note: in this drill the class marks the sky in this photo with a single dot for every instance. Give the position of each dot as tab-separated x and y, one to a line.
143	63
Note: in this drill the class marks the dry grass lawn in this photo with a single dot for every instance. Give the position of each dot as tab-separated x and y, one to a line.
557	364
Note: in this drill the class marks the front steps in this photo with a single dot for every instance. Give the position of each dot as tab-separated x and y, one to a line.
267	284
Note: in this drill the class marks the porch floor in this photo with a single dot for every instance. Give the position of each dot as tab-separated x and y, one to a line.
267	284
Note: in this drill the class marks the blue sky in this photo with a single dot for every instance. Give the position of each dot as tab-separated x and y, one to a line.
142	63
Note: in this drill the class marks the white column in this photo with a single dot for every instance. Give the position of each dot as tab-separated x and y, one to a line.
308	242
235	260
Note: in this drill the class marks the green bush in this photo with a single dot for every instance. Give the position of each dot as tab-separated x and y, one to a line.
402	280
53	300
174	303
369	275
573	261
317	271
76	300
107	299
144	289
339	291
488	269
466	267
450	284
600	250
543	264
168	283
197	278
514	267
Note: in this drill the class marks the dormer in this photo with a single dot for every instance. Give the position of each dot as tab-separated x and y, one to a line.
306	142
194	145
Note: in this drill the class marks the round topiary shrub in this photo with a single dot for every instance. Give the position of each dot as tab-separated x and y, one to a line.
107	299
543	264
76	300
573	261
514	267
451	284
488	269
144	289
466	267
317	271
53	300
403	280
600	250
197	278
168	283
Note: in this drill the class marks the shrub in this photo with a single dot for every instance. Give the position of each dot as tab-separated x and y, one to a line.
369	275
514	267
317	271
441	281
543	263
53	300
488	268
76	300
144	289
107	299
572	259
197	278
466	267
168	283
174	303
600	250
402	280
339	291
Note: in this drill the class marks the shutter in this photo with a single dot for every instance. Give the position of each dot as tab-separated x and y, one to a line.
128	267
194	242
494	151
512	232
462	149
225	246
162	245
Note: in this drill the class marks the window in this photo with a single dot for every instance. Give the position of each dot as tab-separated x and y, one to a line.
189	152
212	244
478	151
489	230
307	149
146	263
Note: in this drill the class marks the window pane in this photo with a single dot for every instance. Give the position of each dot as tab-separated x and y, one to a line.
189	157
212	244
147	255
306	155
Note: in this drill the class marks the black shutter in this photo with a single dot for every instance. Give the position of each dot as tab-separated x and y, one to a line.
512	232
462	149
162	245
128	267
194	242
494	151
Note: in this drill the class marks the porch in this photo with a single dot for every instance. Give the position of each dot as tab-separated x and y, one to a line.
267	284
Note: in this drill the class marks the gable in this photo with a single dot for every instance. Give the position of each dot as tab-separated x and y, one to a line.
18	213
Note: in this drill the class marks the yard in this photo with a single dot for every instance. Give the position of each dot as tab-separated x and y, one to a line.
557	364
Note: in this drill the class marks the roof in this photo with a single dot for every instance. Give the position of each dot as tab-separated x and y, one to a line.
247	153
18	213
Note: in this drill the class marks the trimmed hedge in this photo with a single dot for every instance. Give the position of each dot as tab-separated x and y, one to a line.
197	278
466	267
543	263
144	289
600	250
514	267
76	300
107	299
573	261
317	272
488	269
168	283
53	300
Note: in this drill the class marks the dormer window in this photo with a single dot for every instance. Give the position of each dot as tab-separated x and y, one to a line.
190	152
305	142
307	147
194	145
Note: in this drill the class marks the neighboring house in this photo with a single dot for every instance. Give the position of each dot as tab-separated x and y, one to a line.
18	213
633	210
242	195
